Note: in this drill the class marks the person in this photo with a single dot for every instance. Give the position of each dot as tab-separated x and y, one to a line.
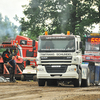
14	52
12	65
70	45
5	55
48	45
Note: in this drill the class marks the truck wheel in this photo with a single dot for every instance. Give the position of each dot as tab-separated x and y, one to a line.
41	82
1	68
22	78
34	78
86	82
21	66
49	83
77	82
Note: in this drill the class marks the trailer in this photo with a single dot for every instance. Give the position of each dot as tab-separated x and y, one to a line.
91	57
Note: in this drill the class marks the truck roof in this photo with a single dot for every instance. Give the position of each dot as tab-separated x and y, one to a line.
58	35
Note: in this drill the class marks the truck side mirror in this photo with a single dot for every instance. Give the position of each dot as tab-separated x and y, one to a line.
33	43
81	45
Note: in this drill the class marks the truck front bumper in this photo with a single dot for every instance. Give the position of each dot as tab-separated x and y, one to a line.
42	74
58	75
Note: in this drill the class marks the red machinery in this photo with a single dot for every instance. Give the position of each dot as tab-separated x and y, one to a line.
26	50
92	48
5	57
29	51
91	57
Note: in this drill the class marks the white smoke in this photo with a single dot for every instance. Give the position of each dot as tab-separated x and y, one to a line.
7	29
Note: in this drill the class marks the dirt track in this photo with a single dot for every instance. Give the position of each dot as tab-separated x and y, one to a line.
31	91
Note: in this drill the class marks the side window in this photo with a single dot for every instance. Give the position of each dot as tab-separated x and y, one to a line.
23	42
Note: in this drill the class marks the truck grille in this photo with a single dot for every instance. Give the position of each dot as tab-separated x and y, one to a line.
51	69
56	60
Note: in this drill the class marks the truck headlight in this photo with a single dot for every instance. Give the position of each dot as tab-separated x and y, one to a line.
71	69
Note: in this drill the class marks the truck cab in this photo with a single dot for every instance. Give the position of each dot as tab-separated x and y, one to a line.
92	45
91	57
28	48
59	58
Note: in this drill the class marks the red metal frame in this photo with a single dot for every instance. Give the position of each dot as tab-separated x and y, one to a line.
7	72
5	69
18	69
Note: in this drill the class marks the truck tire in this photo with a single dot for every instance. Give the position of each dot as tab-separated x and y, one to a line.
22	77
1	68
21	66
41	82
55	83
34	78
77	82
86	82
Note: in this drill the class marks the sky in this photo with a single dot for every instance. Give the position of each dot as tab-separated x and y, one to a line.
10	8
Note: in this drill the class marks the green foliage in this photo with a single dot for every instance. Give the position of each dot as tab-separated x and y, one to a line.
58	16
2	50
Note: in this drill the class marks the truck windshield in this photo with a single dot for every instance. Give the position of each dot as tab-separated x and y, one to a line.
56	44
92	46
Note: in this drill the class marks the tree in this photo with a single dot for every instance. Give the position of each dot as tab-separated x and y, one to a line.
65	15
7	29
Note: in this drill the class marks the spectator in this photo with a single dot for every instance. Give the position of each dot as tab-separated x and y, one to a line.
5	56
12	65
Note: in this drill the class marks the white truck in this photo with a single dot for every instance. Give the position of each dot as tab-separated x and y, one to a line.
59	58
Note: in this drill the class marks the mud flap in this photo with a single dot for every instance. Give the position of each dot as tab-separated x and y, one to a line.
84	67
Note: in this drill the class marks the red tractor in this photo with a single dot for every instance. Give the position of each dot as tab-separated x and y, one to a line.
9	49
25	51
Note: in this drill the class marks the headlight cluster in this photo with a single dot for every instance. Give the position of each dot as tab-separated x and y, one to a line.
72	69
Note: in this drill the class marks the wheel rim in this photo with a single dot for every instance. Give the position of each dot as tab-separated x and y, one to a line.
88	81
80	79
